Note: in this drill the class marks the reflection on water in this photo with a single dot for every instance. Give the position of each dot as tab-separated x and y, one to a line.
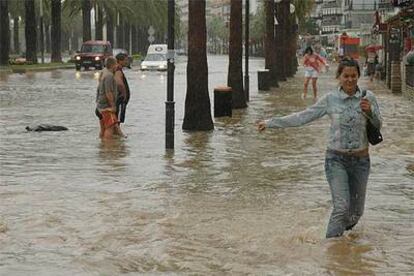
78	75
4	76
349	256
230	201
55	74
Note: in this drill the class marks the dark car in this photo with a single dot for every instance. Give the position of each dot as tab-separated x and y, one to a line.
117	51
93	54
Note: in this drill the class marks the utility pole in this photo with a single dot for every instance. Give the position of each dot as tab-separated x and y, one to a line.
42	42
169	104
246	51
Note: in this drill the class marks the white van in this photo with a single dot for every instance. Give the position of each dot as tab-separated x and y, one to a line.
156	58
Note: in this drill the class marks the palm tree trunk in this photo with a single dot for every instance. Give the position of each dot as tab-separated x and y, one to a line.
235	73
270	50
47	38
86	18
127	29
30	31
197	115
134	35
98	22
120	35
4	32
56	31
110	28
16	41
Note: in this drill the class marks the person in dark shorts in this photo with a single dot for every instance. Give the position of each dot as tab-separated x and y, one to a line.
122	85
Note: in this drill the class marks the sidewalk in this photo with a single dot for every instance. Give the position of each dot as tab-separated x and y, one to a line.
36	67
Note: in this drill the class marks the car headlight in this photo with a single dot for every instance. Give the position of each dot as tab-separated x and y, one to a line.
78	58
97	58
162	66
144	67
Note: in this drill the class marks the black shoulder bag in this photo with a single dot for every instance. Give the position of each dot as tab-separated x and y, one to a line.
374	135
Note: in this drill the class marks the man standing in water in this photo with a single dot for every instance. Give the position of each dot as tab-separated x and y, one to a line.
106	96
122	85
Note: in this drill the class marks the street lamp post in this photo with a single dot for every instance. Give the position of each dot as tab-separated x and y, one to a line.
169	104
246	50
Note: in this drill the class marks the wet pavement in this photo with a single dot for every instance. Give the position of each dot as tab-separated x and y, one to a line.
231	201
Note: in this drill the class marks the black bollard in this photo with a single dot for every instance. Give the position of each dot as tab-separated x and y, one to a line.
263	79
223	101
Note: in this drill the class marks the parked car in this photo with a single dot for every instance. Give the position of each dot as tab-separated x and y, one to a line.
93	54
156	58
117	51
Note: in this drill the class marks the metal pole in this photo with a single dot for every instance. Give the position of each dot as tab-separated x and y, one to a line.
169	104
246	51
42	46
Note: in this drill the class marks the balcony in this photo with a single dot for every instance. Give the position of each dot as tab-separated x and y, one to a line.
369	6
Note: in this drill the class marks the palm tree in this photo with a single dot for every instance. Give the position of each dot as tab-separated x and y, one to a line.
56	31
86	19
303	9
30	31
197	114
235	74
270	49
4	33
98	21
16	10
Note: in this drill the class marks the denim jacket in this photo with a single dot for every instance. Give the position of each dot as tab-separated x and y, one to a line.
348	122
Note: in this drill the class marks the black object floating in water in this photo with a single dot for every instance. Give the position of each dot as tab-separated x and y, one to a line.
45	127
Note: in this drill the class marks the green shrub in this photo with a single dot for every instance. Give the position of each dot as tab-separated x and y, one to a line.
136	56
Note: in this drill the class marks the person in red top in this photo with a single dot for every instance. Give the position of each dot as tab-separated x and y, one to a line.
313	64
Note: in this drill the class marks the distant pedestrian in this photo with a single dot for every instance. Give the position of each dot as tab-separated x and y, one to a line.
106	96
378	70
123	87
347	162
313	64
371	60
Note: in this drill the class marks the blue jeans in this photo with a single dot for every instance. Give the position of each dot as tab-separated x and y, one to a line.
347	177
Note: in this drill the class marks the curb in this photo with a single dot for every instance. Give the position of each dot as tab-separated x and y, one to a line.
16	69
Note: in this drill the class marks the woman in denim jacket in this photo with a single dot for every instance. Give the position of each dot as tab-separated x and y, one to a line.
347	161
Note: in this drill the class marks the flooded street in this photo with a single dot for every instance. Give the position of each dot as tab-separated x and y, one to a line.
231	201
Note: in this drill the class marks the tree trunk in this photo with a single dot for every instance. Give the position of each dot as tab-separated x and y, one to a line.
270	49
47	39
98	23
4	33
30	31
197	115
235	73
120	35
127	29
134	35
283	53
16	40
110	28
56	31
86	19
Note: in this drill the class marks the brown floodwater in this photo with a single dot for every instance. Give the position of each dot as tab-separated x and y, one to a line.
229	201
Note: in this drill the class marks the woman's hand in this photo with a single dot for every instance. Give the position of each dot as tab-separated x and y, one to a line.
365	106
261	125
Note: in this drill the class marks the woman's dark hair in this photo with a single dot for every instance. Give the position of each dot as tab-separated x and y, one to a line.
347	62
308	50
